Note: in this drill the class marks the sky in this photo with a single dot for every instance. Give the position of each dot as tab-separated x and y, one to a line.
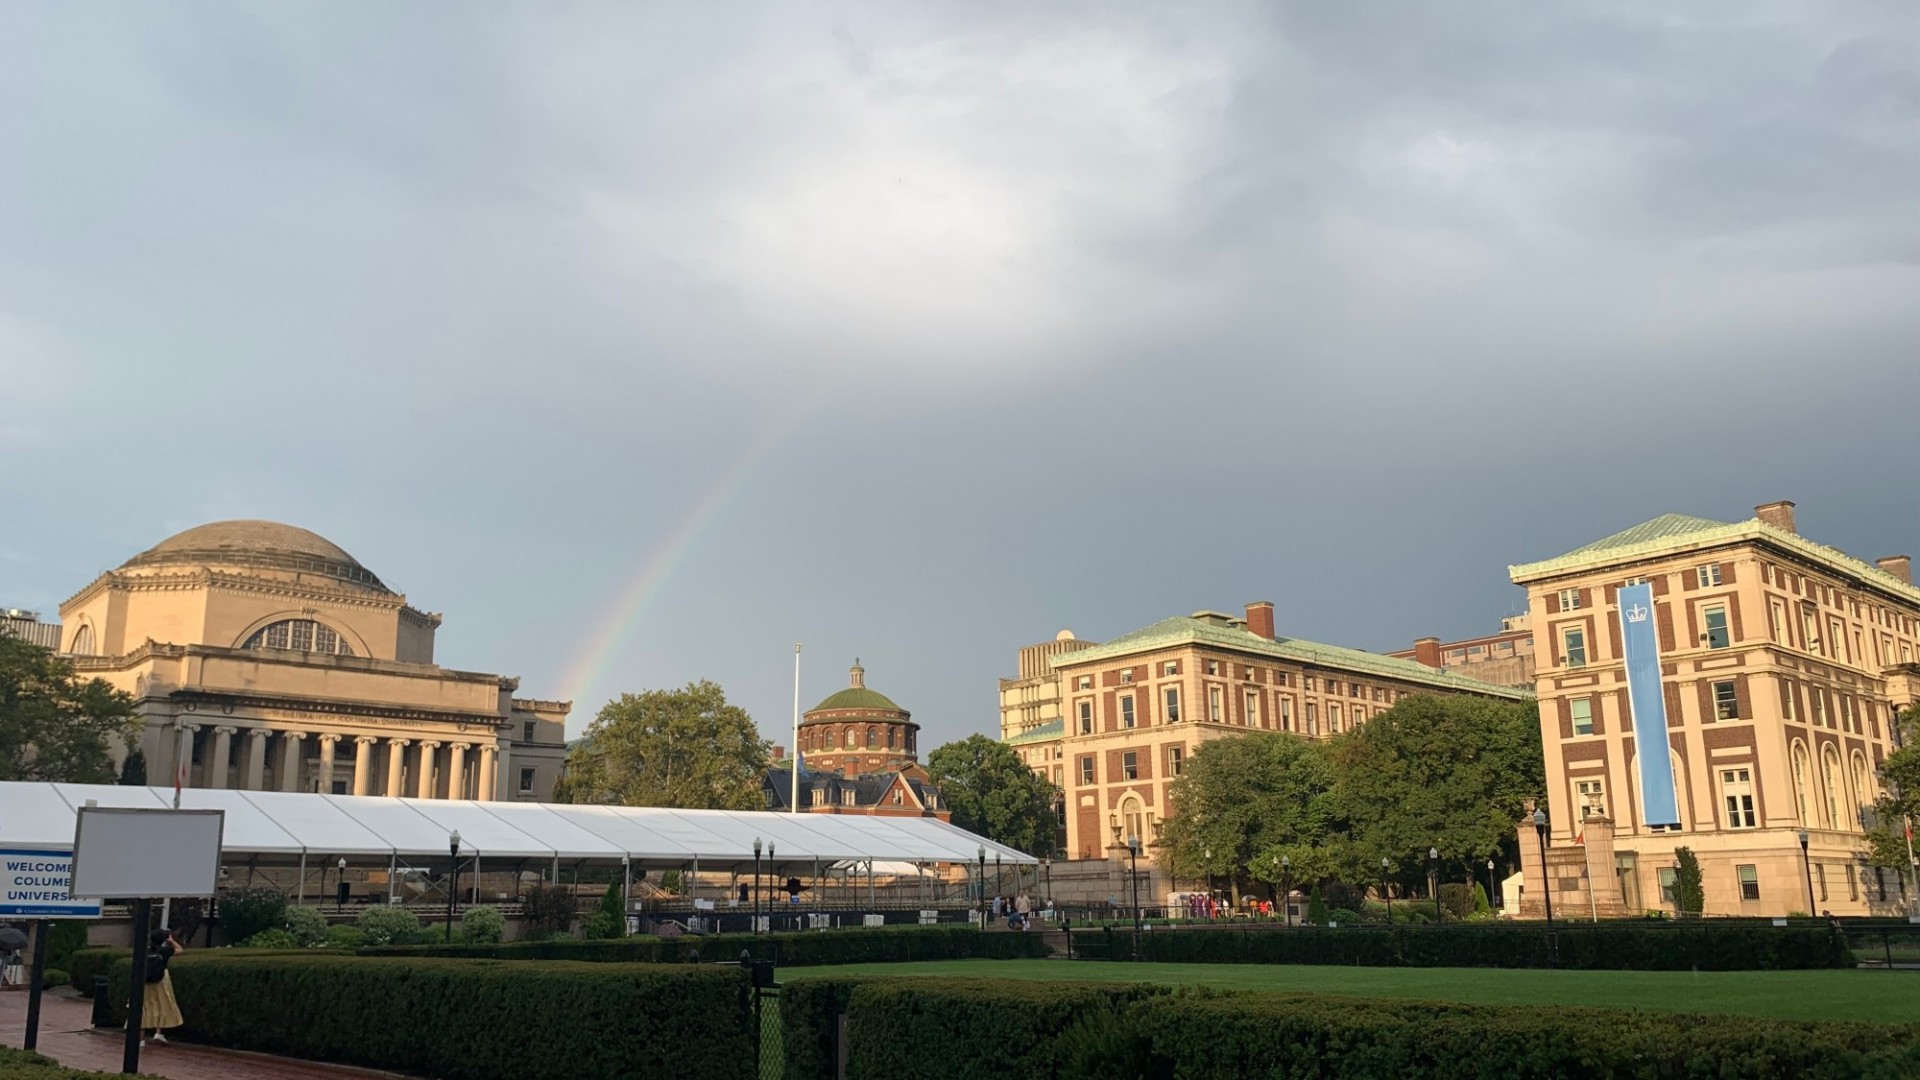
644	341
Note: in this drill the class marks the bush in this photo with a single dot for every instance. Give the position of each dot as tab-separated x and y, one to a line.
272	939
1344	917
27	1065
388	924
308	927
51	978
246	911
1457	898
469	1020
1481	905
64	938
600	926
1634	946
483	926
84	965
345	937
549	911
860	946
1316	908
1339	894
986	1028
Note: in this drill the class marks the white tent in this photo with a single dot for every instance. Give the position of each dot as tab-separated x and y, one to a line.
284	827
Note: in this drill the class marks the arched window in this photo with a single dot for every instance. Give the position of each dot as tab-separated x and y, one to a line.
1861	801
83	640
1131	822
892	734
1800	782
1830	767
873	738
832	743
299	635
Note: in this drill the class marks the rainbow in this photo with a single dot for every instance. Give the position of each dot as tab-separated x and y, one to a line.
615	625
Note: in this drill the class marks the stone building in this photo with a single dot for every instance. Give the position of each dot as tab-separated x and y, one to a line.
269	659
1031	716
1137	706
859	754
1504	659
26	626
1781	664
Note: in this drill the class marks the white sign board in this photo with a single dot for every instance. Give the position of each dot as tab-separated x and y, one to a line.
123	852
33	885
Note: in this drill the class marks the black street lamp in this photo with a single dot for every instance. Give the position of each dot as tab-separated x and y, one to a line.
1546	885
1490	882
753	909
769	903
982	854
999	879
1806	867
1133	860
1384	893
340	885
1433	882
453	882
1046	868
1286	890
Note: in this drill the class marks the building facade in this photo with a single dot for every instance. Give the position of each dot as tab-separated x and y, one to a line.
859	754
26	625
1504	659
1782	664
263	657
1136	707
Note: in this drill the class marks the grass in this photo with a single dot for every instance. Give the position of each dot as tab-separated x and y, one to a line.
1875	996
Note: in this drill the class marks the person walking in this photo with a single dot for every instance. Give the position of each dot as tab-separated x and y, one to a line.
159	1010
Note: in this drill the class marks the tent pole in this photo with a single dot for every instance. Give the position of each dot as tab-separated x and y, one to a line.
300	894
393	872
476	878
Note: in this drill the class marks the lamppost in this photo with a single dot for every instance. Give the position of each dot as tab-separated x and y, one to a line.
1206	867
1546	886
753	908
1286	890
1806	867
982	854
1133	862
340	886
999	881
756	885
453	881
1433	882
1490	881
1384	893
1046	868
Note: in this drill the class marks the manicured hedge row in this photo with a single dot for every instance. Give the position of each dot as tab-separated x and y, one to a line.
809	1025
1678	948
84	964
864	946
24	1065
962	1028
470	1019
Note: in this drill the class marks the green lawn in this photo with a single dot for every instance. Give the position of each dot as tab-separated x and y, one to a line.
1879	996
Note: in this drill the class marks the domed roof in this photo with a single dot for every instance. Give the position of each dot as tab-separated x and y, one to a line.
261	544
858	696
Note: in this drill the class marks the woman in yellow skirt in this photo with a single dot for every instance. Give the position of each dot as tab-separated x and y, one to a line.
158	1008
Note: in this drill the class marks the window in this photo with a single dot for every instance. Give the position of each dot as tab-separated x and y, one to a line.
847	797
526	781
1286	714
299	635
1310	683
1708	575
1253	709
1819	697
1736	788
1591	797
1573	645
82	641
1333	686
1171	667
1213	704
1359	714
1059	777
1582	710
1569	599
1789	700
1858	772
1846	714
1830	767
1333	719
1668	875
833	740
1810	628
1086	769
1086	682
898	797
1126	676
1126	711
1173	704
891	732
1247	673
1632	581
1129	766
1213	667
1749	882
1086	721
1800	781
1313	719
1176	757
1777	618
1726	701
526	731
1836	638
1717	636
1820	875
1853	883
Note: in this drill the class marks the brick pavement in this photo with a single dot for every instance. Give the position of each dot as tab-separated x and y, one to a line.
67	1035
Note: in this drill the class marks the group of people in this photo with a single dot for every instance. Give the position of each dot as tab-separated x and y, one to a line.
1017	910
1207	906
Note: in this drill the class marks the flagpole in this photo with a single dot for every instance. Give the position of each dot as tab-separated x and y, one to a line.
796	727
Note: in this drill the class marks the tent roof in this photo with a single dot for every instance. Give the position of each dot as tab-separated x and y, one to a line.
290	824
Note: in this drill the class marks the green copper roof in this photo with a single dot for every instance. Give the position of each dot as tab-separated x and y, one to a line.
858	697
1052	729
1664	527
1231	634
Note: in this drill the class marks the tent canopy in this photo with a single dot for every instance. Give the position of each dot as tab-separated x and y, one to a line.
285	826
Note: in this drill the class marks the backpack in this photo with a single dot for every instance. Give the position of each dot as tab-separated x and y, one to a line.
157	963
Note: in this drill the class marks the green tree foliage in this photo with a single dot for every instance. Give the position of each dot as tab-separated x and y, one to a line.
993	793
54	725
1900	776
1246	803
684	748
246	911
1688	894
133	771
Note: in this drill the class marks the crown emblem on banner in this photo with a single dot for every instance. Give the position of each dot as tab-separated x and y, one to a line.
1637	613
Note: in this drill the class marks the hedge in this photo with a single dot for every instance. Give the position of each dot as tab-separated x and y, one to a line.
1632	948
470	1019
863	946
961	1028
84	964
26	1065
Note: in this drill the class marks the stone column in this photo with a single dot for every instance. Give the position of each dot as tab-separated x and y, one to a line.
396	760
423	783
255	777
363	764
327	741
183	753
222	752
484	790
457	769
507	784
290	760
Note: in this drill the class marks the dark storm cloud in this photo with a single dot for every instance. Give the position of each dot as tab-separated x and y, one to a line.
1080	316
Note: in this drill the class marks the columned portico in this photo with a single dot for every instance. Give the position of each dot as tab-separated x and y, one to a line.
457	769
484	790
396	765
325	780
255	776
423	783
290	760
222	754
363	764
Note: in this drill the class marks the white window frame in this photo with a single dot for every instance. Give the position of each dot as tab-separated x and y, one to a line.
1708	575
1726	626
1170	701
1736	794
1567	633
1216	705
1569	599
1728	709
1129	713
1574	705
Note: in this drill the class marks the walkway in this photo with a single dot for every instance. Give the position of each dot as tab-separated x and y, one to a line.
67	1035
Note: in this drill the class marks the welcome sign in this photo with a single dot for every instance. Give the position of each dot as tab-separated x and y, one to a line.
33	885
1658	804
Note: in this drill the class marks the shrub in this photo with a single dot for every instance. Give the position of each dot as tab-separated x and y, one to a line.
345	937
308	927
1339	894
27	1065
1316	908
549	910
246	911
483	926
51	978
613	903
64	938
1634	945
809	1025
1457	898
1481	905
985	1028
1344	917
387	924
469	1020
600	926
272	939
84	965
1688	894
857	946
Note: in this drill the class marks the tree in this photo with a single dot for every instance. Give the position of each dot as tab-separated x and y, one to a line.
1688	895
993	793
133	771
683	748
53	725
1892	812
1244	804
1436	771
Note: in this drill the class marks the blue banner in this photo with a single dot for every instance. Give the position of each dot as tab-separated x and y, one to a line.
1658	805
33	885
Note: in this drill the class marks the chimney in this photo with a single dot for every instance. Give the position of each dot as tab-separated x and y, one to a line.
1900	566
1777	514
779	753
1260	618
1426	651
